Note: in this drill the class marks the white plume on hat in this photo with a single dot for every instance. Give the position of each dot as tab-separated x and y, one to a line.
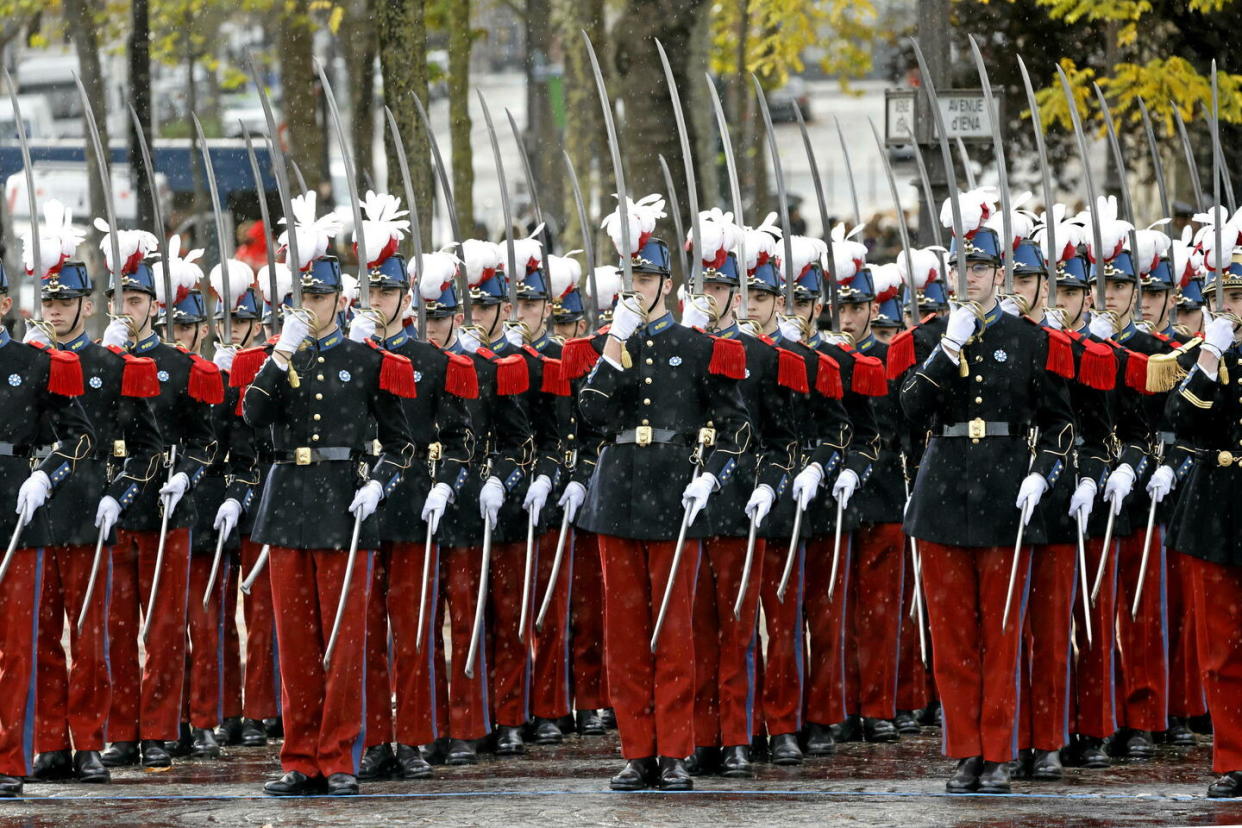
608	283
349	287
1230	232
527	253
718	235
314	235
1185	259
241	276
807	250
1068	233
183	271
848	254
563	273
58	239
482	258
135	245
764	243
926	263
382	228
1113	231
284	283
438	271
1152	244
641	215
976	206
1021	222
886	279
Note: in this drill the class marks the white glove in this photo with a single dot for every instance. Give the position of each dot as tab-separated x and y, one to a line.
1083	500
1054	320
469	339
227	516
36	336
697	312
116	335
32	494
1218	336
361	327
490	499
960	327
514	336
806	484
1117	489
760	503
572	499
108	513
295	330
1010	306
694	498
223	357
366	499
1029	494
790	328
1101	326
627	318
844	488
536	496
1162	481
175	489
435	504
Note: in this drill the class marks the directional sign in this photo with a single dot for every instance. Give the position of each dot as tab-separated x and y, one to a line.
964	110
899	116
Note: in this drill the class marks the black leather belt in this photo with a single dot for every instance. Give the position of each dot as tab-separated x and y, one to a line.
306	456
978	428
647	436
11	450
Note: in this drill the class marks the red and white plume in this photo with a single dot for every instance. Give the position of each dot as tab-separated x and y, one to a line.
438	271
349	287
642	216
183	271
926	263
608	283
719	235
284	283
1021	222
887	281
241	276
848	254
482	259
977	206
314	234
527	253
1205	238
58	240
563	273
1185	260
382	229
1152	245
807	251
1113	231
135	246
1068	233
764	243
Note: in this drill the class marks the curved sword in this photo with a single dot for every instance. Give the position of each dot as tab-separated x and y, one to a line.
735	196
824	220
1046	183
1089	181
32	200
614	148
1191	166
675	209
351	184
416	230
266	218
692	190
1124	184
224	245
1156	164
588	246
1002	170
109	207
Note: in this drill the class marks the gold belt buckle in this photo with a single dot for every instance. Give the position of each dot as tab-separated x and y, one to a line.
643	435
977	428
302	456
118	448
707	436
434	451
1224	459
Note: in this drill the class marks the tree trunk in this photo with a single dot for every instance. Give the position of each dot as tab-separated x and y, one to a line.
584	130
303	129
140	98
80	18
460	45
403	60
357	40
542	137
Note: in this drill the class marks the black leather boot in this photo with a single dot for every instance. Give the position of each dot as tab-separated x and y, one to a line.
1134	744
120	755
735	762
785	751
1046	765
275	727
1228	786
1086	752
609	717
411	764
1179	733
673	775
205	745
377	763
879	730
155	755
704	761
88	768
906	723
590	723
229	732
994	778
295	783
183	744
342	784
460	752
637	775
252	733
819	740
509	741
965	778
10	786
52	766
546	732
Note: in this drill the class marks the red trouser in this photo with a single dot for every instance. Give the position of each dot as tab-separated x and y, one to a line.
262	682
783	670
1186	696
725	647
72	701
509	645
975	657
379	682
147	704
653	693
469	709
587	608
873	631
1093	672
206	628
1218	622
323	710
825	621
1043	721
414	667
1143	700
551	695
914	690
19	607
231	677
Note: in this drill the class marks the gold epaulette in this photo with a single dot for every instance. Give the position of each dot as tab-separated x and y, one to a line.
1163	370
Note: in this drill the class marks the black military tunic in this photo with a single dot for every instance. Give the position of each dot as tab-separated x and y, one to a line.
882	499
556	458
322	443
233	474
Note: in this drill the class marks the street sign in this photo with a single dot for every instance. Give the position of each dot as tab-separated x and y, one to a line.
964	111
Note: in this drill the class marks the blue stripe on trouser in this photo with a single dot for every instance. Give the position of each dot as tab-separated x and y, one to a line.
799	633
1017	662
220	625
28	722
429	637
361	739
567	632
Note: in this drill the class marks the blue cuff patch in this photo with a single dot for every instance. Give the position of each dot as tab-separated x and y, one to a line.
60	475
128	497
512	480
462	474
1055	473
727	471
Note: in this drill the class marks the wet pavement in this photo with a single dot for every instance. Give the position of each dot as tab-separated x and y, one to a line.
863	785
